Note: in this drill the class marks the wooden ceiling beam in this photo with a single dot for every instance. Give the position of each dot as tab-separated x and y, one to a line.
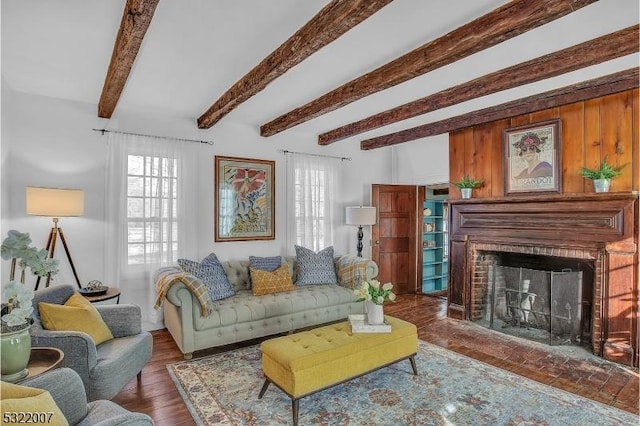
512	19
331	22
133	26
601	86
601	49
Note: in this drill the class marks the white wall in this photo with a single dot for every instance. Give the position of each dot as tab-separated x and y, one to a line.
46	142
422	162
49	142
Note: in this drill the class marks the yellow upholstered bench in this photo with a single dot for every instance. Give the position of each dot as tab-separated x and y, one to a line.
304	363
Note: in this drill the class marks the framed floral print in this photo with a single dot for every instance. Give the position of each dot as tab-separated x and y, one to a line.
245	199
532	158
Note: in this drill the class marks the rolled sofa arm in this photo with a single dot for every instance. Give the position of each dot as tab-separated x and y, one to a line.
352	270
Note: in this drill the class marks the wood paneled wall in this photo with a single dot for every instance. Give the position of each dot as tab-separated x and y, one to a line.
590	130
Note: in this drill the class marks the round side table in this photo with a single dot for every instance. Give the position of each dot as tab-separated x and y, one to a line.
112	293
43	359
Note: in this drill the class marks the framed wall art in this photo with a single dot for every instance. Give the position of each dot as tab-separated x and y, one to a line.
245	199
532	158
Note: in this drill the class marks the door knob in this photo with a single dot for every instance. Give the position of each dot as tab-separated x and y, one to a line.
377	241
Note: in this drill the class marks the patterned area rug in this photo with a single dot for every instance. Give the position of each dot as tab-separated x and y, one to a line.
451	389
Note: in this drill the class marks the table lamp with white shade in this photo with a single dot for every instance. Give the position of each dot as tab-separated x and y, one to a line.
56	203
360	216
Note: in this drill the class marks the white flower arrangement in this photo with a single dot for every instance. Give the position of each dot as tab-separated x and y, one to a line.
18	308
19	305
374	292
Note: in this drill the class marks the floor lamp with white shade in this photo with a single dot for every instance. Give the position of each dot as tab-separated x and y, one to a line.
56	203
360	216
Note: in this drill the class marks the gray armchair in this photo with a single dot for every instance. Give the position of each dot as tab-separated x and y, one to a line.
65	386
106	368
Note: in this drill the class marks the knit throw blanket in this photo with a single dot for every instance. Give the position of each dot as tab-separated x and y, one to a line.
166	277
351	271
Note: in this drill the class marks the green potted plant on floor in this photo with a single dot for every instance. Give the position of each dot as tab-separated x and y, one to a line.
467	184
602	176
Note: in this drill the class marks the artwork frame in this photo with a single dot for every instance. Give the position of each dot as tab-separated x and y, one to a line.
532	158
244	199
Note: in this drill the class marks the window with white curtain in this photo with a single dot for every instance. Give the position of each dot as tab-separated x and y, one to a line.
312	183
150	215
310	207
152	231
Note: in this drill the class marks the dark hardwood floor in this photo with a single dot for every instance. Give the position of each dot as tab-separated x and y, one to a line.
570	370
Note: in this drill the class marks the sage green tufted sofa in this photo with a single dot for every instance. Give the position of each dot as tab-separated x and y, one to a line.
245	316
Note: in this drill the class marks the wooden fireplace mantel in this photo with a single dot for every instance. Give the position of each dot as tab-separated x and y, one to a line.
606	224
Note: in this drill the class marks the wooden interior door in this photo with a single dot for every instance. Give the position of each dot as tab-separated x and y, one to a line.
395	236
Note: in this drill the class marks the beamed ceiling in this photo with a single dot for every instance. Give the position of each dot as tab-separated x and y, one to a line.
373	72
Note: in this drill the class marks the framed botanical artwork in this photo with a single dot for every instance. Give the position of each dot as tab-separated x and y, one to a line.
532	158
245	199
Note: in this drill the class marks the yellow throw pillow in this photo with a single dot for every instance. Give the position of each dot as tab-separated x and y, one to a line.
266	282
22	404
77	314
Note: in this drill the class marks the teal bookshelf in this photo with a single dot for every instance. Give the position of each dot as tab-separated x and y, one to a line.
435	246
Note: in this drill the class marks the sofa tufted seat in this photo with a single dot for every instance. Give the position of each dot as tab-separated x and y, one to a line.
305	303
245	316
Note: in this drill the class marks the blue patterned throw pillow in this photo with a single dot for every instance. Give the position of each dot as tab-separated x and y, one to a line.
315	268
212	274
269	264
211	260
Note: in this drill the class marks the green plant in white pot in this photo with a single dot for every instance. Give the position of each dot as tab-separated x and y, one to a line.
602	177
15	314
467	184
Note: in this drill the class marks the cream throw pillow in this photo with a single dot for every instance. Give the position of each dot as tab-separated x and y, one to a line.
29	406
266	282
77	314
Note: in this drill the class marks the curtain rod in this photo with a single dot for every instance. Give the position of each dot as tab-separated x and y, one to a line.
103	131
284	151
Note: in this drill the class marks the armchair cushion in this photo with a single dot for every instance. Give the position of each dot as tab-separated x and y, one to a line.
119	360
22	399
77	314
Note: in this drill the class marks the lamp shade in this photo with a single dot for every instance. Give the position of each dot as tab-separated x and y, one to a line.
54	202
361	216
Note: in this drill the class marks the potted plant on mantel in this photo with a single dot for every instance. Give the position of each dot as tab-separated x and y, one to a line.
602	177
466	186
15	319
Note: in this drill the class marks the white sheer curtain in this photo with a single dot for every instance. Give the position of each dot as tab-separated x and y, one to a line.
135	250
312	188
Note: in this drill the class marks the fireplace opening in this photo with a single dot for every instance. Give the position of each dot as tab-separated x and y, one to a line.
546	299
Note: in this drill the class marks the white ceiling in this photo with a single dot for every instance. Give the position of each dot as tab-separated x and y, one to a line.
195	50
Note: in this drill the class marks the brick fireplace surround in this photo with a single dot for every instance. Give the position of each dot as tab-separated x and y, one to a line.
602	228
